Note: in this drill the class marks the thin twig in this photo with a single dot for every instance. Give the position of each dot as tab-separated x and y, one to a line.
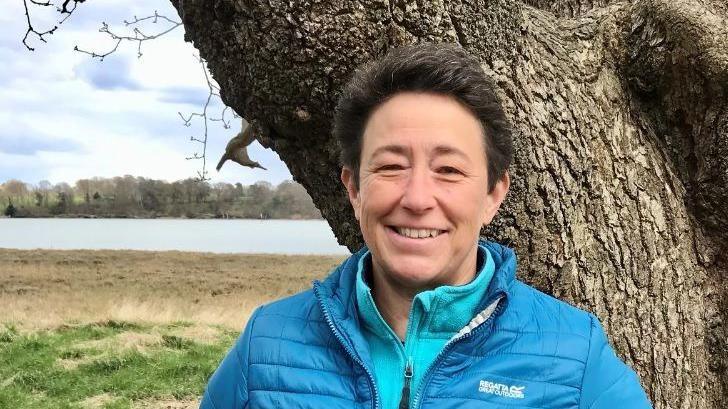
214	91
31	29
64	9
137	35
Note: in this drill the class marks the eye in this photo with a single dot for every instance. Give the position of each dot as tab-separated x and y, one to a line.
390	167
448	170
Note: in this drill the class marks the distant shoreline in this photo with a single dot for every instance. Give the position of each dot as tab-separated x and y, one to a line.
46	288
226	236
201	217
154	253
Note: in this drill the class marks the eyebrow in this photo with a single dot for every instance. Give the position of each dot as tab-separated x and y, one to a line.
395	149
449	150
403	150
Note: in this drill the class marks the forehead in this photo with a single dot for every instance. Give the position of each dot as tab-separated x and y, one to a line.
423	119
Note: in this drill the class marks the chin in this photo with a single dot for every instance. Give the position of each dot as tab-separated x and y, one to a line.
414	276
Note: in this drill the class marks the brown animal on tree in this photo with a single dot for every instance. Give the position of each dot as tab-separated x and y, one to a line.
237	149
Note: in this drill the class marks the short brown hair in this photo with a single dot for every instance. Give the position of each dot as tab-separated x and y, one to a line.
441	68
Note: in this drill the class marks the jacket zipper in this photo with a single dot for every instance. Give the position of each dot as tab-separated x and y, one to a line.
343	343
404	401
446	348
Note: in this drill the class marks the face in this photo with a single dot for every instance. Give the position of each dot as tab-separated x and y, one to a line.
423	191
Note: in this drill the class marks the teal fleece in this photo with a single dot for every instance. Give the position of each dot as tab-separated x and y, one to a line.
435	317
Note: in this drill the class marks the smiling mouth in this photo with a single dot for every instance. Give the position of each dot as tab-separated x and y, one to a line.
417	233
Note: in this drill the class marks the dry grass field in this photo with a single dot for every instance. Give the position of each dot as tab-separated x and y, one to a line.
47	288
129	329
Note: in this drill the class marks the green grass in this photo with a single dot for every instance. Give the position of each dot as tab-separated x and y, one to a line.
61	368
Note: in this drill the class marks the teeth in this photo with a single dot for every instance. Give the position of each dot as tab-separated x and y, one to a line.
417	233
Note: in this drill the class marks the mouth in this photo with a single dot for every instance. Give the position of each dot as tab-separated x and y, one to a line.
416	233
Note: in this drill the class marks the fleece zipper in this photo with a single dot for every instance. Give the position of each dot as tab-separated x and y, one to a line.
404	401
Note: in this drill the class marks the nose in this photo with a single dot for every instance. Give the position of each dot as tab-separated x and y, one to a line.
419	193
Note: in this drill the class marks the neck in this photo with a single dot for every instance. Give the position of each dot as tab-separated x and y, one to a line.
393	303
394	300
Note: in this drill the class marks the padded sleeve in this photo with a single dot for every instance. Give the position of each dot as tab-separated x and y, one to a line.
228	386
608	382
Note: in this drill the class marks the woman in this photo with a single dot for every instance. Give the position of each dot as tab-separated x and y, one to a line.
425	315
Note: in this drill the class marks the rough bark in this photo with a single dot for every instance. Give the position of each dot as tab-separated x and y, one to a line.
620	178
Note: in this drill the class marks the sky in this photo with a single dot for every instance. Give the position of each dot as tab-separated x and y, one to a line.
66	116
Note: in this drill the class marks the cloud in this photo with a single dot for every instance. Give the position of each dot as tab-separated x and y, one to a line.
19	167
185	95
113	73
27	142
67	116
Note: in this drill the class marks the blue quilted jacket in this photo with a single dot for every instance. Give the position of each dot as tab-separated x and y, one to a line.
524	350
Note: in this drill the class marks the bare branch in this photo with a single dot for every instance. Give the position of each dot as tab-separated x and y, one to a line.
214	91
136	36
225	123
31	29
66	9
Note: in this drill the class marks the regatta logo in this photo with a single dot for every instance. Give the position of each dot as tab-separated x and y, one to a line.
499	389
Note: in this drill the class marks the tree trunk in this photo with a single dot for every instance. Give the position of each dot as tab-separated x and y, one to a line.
620	175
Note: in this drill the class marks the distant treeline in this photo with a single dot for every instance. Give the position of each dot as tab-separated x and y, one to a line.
138	197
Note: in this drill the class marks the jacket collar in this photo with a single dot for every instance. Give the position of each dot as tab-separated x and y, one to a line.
337	293
434	313
504	259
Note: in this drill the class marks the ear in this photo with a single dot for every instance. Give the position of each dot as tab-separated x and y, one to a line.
495	197
347	178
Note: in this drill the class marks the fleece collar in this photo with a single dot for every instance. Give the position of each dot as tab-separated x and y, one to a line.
337	293
436	313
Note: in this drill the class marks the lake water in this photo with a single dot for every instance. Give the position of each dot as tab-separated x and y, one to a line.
218	235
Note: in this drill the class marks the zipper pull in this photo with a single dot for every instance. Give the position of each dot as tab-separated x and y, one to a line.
404	402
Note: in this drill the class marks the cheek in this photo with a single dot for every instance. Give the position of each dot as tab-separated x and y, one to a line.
380	194
378	199
464	202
